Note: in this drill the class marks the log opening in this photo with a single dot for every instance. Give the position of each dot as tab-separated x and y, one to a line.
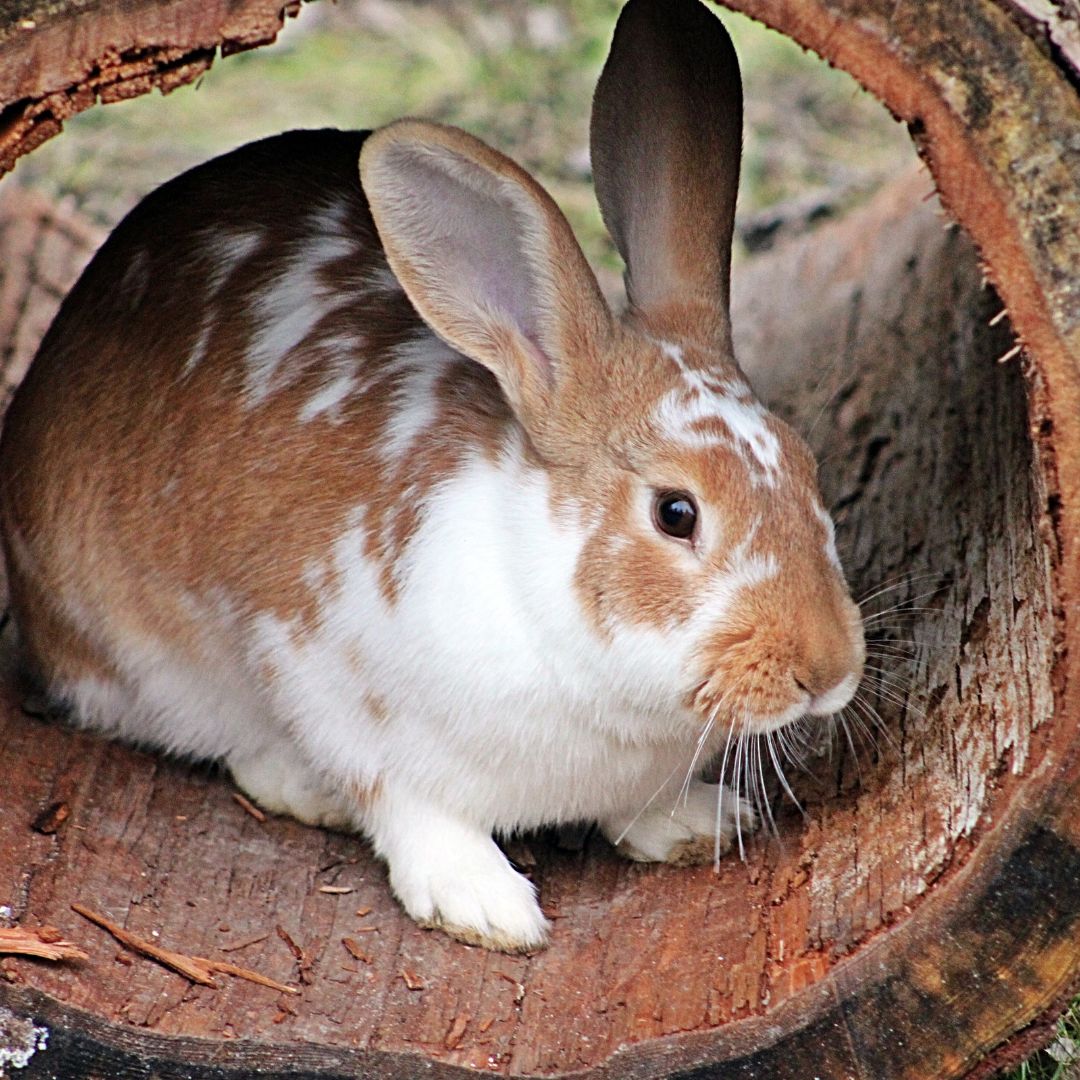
919	915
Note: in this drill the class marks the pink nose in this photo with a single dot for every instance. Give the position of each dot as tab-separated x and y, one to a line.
827	654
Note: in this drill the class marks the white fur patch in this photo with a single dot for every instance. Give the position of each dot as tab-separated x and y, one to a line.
186	702
832	701
506	709
225	250
704	396
415	406
741	571
830	536
202	343
295	302
340	361
328	397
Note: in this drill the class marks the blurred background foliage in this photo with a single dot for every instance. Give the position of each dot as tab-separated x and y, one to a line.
518	75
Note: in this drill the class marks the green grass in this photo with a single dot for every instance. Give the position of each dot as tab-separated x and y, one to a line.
1061	1059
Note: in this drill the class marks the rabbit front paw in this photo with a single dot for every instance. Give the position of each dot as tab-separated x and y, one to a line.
453	877
686	834
474	896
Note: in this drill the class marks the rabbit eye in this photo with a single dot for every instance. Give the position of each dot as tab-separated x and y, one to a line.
675	513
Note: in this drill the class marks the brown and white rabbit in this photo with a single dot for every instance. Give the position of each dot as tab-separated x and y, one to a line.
349	478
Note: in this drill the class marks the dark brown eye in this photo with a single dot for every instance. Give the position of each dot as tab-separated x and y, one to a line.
675	513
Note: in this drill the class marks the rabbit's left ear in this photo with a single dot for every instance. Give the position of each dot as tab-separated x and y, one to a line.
666	139
486	258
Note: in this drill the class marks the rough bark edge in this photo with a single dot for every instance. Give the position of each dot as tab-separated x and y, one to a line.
46	79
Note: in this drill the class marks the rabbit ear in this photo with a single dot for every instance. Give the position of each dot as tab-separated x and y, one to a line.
486	257
666	139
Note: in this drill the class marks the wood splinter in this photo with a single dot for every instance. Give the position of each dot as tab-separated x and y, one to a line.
249	807
44	942
196	968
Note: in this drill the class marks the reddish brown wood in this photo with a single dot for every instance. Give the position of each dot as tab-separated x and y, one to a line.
920	921
58	57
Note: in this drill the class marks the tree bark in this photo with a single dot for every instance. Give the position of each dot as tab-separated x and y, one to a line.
920	918
58	57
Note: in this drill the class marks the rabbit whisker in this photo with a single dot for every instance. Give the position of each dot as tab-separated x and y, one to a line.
778	768
891	585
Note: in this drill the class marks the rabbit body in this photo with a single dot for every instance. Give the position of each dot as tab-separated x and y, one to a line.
354	487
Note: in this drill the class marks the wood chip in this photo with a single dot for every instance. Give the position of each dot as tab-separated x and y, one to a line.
412	980
303	964
298	953
519	987
51	818
246	804
285	1007
196	968
485	1025
366	930
361	912
44	942
457	1029
336	890
355	951
244	943
285	1010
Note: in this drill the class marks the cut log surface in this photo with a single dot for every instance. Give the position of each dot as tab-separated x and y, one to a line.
919	919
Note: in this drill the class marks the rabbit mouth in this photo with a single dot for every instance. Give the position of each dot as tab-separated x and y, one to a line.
754	702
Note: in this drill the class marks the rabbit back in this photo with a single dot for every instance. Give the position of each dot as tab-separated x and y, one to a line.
235	382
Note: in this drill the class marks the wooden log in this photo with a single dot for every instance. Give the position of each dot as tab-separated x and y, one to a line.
920	919
878	324
58	57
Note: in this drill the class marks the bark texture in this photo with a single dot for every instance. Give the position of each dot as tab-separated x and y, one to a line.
58	57
920	919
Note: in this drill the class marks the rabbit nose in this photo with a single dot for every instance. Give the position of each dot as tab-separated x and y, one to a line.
829	665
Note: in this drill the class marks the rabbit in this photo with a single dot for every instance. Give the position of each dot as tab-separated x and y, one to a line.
336	466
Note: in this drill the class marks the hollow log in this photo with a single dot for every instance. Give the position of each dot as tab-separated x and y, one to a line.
918	916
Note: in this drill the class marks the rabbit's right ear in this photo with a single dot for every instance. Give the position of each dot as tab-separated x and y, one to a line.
486	258
666	139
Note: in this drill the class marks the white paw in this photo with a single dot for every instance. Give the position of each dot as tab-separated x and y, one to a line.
700	825
280	781
466	887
